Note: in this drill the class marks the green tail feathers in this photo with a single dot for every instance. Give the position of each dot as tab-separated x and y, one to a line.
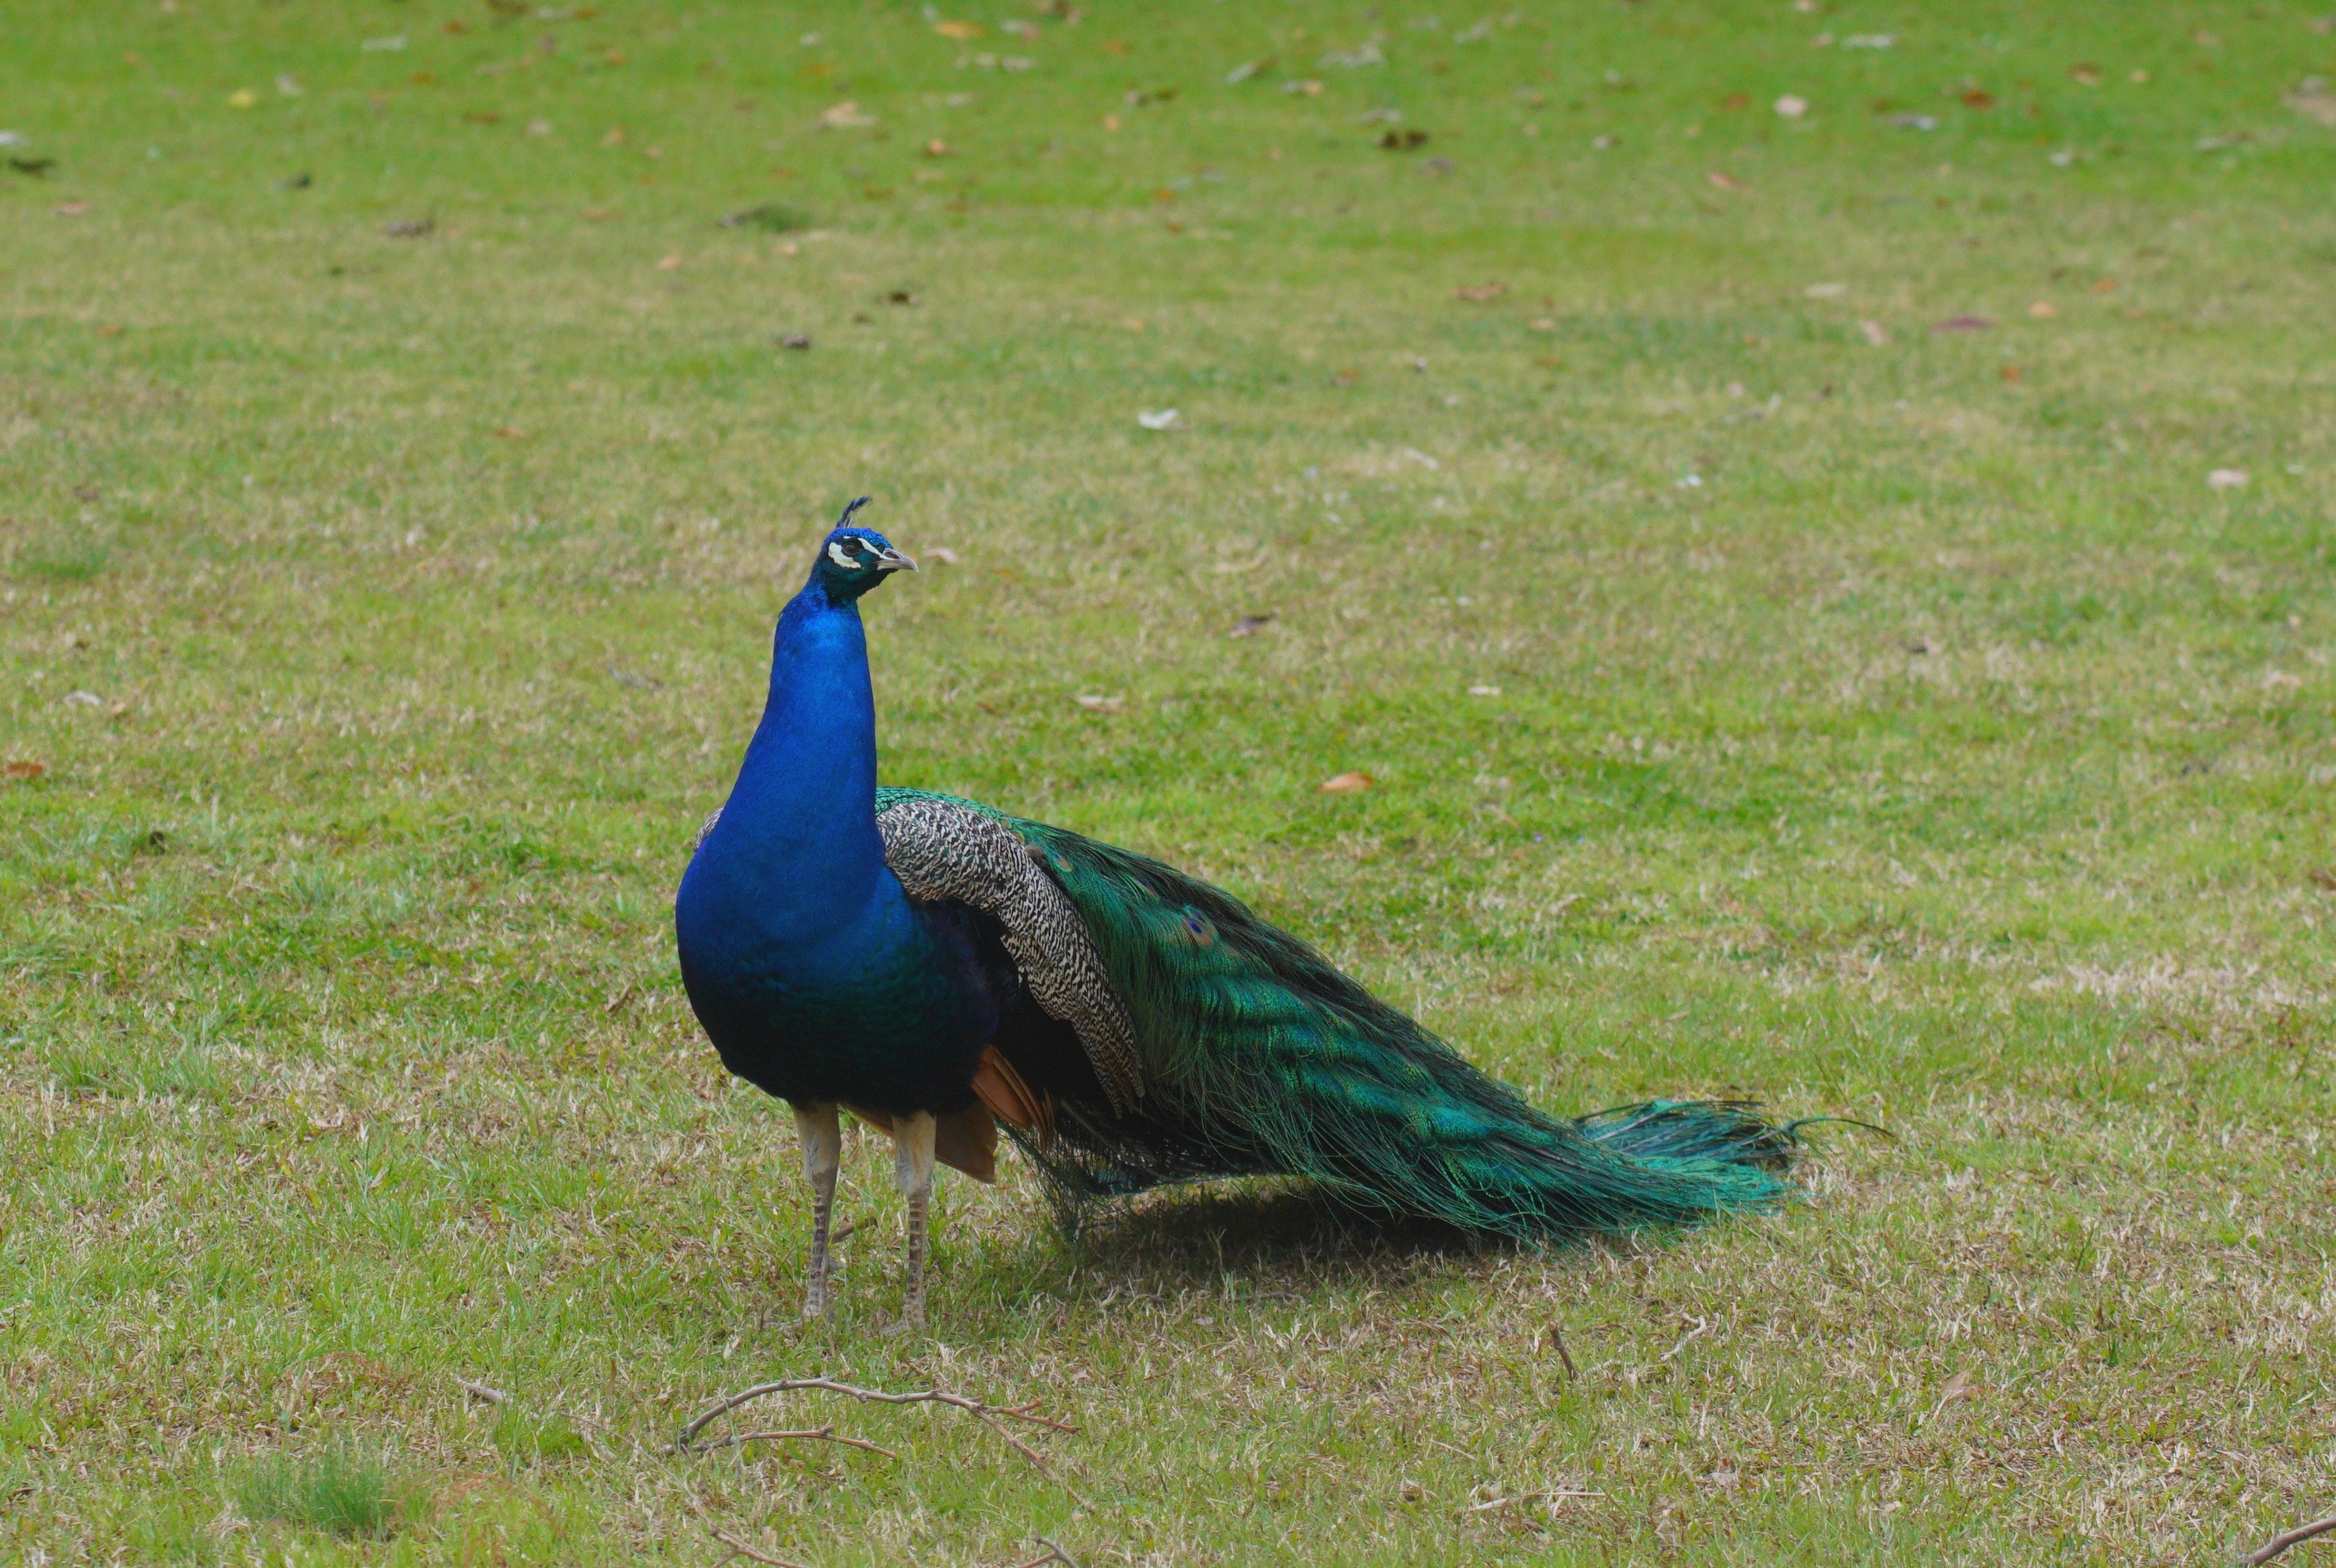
1260	1059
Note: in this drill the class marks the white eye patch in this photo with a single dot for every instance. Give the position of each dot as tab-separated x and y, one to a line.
835	554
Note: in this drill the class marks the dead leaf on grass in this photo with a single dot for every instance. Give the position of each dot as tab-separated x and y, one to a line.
1875	333
1345	784
33	770
1250	625
1101	704
1723	182
2314	101
1962	324
2043	310
1481	293
72	209
2227	479
959	31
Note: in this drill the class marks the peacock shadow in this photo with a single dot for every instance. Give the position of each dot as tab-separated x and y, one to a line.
1272	1235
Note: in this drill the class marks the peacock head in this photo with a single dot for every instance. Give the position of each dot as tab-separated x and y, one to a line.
852	560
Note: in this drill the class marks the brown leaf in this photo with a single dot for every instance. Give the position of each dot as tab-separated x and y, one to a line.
1962	324
1346	783
1979	98
959	31
33	770
1101	704
1482	293
2323	875
937	148
1723	182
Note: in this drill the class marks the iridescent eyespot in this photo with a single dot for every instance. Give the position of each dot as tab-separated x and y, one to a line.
1199	926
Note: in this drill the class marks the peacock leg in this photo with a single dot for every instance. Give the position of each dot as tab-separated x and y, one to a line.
912	1168
822	1153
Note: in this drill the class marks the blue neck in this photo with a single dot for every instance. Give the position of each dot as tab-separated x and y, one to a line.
796	856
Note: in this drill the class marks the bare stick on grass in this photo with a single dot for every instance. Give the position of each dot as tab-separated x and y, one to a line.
990	1415
492	1395
2295	1537
740	1549
1054	1554
1557	1340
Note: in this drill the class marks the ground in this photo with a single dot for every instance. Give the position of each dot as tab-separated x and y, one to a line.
1814	520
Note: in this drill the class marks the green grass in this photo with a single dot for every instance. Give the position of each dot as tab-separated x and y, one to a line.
337	1492
1950	756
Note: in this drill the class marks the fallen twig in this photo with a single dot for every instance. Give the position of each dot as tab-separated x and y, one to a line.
827	1433
2295	1537
740	1549
1556	1496
493	1396
988	1414
1558	1341
1702	1327
1054	1554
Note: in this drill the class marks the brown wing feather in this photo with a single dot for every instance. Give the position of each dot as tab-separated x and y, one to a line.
964	1140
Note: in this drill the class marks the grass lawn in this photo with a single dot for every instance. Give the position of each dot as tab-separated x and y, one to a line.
1766	562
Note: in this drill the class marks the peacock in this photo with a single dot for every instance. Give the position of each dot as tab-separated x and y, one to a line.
939	967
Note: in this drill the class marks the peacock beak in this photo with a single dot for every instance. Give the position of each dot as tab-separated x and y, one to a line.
893	561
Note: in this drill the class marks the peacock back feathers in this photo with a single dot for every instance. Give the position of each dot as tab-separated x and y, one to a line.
1253	1054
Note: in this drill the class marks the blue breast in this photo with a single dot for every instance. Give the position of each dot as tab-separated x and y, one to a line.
812	972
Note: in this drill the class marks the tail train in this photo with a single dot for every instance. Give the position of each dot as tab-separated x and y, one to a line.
1261	1057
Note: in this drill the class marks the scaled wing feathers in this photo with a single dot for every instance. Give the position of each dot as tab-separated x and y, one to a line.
941	850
